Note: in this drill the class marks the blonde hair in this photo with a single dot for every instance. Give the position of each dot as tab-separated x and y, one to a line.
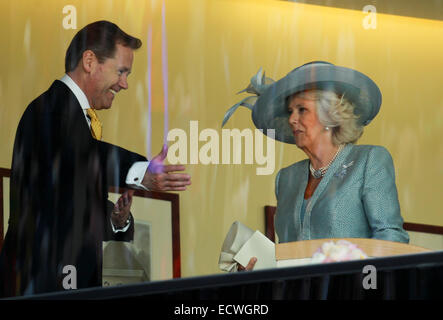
337	113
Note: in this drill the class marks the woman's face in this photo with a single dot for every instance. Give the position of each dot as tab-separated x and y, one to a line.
303	119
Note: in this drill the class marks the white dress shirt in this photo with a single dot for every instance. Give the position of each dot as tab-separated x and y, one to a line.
138	169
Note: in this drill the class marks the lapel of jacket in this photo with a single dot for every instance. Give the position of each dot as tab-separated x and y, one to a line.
299	193
74	110
335	166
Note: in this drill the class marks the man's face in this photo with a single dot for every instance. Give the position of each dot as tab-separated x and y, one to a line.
110	77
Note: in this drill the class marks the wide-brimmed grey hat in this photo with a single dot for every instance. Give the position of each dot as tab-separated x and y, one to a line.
269	103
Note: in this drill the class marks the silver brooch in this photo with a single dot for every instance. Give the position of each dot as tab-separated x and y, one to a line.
344	170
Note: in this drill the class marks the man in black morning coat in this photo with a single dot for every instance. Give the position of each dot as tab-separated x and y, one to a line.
61	173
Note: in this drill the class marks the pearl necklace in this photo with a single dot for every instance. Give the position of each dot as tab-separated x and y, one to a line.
319	173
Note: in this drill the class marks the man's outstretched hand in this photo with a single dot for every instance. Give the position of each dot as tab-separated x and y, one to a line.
161	177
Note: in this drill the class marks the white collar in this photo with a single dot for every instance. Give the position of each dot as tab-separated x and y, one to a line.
79	94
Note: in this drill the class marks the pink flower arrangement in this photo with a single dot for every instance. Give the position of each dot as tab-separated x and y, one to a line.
342	250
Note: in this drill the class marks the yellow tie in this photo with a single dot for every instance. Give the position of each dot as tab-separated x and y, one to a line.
96	126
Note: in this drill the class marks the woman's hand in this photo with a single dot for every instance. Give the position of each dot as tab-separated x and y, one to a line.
250	265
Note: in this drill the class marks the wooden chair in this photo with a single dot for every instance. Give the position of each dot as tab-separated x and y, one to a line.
386	247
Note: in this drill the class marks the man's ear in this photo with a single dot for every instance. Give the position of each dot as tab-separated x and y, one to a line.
89	61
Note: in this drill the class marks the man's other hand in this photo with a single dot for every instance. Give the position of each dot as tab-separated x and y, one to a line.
122	209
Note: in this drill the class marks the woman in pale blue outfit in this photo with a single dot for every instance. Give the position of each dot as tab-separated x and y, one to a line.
342	190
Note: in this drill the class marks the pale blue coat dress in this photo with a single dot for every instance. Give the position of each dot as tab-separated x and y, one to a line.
357	198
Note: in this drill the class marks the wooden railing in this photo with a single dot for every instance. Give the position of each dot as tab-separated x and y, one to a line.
372	248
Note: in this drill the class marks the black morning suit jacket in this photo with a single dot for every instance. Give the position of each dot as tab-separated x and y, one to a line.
59	213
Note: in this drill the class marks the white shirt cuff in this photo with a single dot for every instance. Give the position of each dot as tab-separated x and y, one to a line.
136	174
124	229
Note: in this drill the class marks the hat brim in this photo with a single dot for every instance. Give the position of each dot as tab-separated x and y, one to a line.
270	110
